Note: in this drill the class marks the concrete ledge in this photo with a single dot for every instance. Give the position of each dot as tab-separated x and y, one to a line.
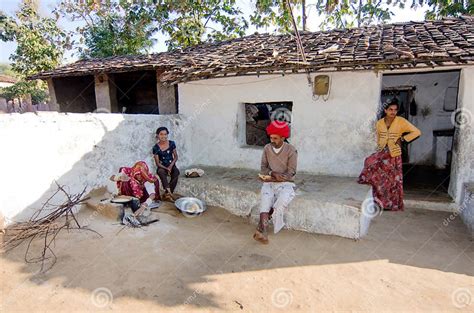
323	204
466	210
442	206
433	201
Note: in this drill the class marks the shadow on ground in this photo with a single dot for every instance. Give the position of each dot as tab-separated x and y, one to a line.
211	262
178	261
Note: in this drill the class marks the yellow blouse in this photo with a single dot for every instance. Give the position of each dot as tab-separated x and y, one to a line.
389	137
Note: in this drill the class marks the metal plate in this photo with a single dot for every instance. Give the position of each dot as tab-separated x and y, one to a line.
190	206
121	199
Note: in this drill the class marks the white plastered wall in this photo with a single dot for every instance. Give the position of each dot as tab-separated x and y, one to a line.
332	137
76	150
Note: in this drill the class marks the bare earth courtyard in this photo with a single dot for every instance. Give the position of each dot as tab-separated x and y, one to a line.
410	261
152	149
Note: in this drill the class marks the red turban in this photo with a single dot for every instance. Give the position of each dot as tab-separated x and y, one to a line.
278	128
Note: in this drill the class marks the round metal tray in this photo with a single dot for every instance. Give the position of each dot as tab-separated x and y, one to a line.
121	199
190	206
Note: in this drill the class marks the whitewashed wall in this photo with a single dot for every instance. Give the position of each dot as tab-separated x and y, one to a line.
332	137
77	150
463	157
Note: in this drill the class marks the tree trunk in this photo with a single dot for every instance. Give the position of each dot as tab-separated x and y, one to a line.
359	12
303	4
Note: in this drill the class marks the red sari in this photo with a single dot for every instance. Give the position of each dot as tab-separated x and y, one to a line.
385	174
138	175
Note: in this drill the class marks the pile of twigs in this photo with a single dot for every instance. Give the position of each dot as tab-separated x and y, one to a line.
45	226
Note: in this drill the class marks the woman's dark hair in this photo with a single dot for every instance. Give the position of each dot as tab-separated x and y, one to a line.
393	101
160	129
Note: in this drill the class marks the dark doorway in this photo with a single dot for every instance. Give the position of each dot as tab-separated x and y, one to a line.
75	94
136	92
427	100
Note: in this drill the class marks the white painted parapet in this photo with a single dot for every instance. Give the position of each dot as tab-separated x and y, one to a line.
76	150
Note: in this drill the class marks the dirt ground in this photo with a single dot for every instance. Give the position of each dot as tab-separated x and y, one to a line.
411	261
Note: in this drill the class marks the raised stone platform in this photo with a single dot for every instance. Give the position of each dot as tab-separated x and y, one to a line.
323	204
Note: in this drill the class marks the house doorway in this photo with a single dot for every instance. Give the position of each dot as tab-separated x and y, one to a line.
427	100
136	92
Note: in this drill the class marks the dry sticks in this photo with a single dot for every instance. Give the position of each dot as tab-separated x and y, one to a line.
46	227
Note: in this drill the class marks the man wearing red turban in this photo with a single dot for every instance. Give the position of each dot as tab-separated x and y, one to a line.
279	128
278	170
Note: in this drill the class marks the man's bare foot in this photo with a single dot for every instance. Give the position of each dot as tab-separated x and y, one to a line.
175	197
167	197
261	237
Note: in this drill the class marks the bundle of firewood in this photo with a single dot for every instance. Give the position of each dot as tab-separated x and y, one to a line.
45	224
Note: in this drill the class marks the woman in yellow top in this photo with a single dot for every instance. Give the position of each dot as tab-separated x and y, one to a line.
383	169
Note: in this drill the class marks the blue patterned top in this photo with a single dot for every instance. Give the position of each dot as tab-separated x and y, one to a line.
165	156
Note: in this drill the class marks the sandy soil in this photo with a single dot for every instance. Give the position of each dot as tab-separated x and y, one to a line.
409	262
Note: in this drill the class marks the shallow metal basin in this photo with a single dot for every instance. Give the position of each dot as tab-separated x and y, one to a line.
190	206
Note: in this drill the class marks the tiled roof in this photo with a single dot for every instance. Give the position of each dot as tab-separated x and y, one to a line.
433	43
7	79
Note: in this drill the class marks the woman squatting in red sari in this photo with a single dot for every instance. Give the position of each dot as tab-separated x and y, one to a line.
131	182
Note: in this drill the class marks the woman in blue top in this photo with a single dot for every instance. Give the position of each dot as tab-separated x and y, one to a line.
165	155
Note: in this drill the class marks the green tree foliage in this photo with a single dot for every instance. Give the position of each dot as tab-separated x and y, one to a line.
6	69
36	90
275	13
40	45
349	13
118	27
356	13
335	13
110	28
442	8
191	22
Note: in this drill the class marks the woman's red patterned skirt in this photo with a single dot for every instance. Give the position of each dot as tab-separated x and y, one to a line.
385	174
